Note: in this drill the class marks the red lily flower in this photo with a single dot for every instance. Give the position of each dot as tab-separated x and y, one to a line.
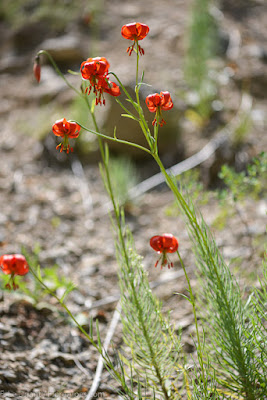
37	69
135	31
158	102
96	71
13	264
166	243
67	130
93	68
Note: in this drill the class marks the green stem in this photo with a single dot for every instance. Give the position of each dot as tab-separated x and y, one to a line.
58	70
137	66
110	188
156	132
114	139
138	108
142	121
125	91
125	255
65	308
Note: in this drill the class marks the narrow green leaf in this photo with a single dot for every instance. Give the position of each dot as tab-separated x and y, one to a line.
92	107
183	295
107	151
38	272
67	292
129	116
73	72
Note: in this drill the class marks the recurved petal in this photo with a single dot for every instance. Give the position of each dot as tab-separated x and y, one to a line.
142	30
22	267
112	88
59	127
166	101
153	101
170	243
156	243
87	69
129	31
74	130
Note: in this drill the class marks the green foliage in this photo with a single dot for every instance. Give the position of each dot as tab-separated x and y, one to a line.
154	347
242	129
49	276
251	182
17	12
240	186
193	187
222	218
257	332
232	348
124	176
200	49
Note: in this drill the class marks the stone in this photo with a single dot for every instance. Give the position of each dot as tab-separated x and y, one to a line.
65	49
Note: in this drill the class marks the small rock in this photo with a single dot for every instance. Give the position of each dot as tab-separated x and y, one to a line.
184	323
9	376
29	35
65	49
39	366
12	63
62	359
89	263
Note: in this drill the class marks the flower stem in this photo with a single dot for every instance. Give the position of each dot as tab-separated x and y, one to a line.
46	288
127	261
50	58
101	135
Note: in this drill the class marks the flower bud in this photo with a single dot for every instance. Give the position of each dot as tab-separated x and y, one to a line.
37	69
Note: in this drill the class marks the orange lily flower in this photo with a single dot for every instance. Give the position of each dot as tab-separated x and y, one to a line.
67	130
13	264
96	71
164	244
158	102
135	31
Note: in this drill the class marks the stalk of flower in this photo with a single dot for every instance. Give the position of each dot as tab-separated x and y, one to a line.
67	130
95	70
156	103
13	264
164	244
135	31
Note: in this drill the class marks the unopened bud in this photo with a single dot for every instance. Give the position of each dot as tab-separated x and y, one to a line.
37	69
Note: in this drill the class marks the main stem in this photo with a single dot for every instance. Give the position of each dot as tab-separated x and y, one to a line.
125	255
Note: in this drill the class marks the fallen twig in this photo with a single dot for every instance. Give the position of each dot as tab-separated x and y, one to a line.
100	364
